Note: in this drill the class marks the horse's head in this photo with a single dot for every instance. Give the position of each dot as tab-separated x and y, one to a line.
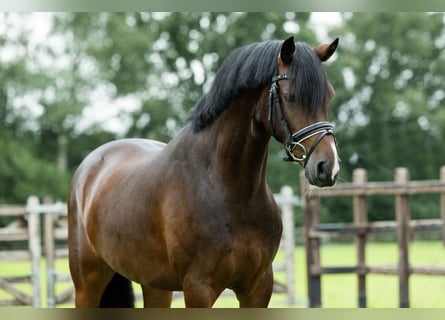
298	110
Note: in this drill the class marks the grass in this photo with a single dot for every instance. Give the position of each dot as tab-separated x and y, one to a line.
382	290
338	291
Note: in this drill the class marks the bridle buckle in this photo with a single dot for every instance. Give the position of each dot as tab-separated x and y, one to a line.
290	148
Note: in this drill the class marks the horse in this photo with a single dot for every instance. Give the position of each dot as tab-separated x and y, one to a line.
196	215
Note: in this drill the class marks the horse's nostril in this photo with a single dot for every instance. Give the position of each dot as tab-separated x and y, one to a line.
323	171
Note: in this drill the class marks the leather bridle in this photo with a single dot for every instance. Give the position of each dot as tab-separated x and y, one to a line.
296	139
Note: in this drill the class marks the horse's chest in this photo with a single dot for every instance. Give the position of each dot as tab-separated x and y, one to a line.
251	241
260	228
256	244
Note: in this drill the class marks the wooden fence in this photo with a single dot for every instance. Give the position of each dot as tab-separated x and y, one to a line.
55	229
26	226
360	228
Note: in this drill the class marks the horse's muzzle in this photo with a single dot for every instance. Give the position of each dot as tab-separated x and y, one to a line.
323	173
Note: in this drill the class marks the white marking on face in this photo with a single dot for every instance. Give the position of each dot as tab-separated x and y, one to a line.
336	168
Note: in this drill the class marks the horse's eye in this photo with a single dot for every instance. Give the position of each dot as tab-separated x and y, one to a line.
289	97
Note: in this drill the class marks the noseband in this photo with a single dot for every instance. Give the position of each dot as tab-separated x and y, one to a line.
295	140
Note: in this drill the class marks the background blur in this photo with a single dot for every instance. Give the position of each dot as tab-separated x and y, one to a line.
70	82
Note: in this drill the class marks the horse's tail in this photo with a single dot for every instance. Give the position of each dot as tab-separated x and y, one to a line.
118	294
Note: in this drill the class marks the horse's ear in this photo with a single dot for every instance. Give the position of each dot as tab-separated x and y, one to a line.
287	50
325	51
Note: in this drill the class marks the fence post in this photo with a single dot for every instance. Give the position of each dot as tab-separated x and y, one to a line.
403	216
287	214
442	203
34	248
360	220
312	244
49	255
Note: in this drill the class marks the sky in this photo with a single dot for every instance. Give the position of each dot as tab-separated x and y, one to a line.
322	21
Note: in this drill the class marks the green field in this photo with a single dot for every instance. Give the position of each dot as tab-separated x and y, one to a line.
338	291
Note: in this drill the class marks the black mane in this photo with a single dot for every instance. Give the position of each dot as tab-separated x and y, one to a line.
253	66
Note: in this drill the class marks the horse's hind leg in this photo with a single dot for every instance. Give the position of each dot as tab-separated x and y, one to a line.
97	285
91	277
90	274
156	298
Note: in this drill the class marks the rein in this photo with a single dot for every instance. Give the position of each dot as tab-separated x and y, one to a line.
295	140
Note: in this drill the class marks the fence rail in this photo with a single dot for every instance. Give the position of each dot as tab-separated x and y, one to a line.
401	188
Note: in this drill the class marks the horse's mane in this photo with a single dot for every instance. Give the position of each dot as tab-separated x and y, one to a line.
253	66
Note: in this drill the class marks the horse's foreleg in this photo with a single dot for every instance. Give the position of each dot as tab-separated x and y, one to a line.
156	298
259	293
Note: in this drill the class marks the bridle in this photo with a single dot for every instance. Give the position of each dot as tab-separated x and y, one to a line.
295	140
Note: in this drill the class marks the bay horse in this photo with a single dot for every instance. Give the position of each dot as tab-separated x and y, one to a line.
196	215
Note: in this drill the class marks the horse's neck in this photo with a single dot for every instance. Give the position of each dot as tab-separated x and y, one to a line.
238	146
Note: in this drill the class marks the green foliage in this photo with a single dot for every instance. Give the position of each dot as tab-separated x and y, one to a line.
390	116
388	104
23	175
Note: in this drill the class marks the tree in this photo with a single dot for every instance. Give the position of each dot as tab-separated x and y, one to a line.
22	173
389	76
394	62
